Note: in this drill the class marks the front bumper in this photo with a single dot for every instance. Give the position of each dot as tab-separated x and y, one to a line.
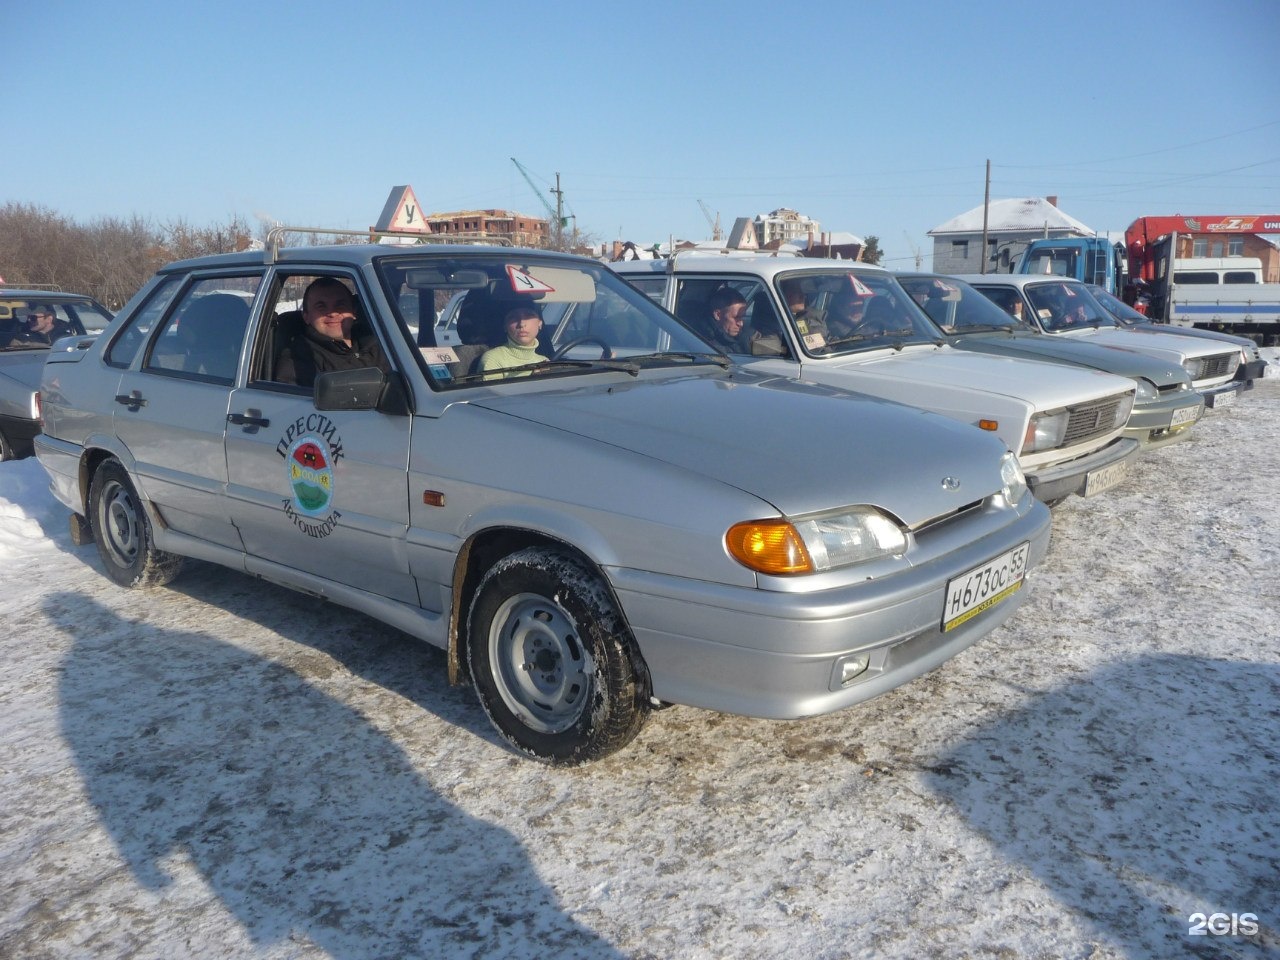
1152	424
1223	395
1250	371
1061	480
763	653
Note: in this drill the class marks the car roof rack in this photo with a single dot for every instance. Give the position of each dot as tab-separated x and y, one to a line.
277	234
729	252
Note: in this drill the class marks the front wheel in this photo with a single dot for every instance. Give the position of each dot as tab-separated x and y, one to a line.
552	659
123	532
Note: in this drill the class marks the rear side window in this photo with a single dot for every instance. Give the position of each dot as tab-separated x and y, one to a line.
202	337
129	339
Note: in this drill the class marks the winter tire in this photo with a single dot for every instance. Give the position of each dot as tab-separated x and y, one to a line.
123	531
552	659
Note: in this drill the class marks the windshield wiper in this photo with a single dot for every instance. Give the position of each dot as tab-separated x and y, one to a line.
718	359
546	366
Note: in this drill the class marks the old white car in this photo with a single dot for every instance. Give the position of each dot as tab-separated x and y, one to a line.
1064	424
586	538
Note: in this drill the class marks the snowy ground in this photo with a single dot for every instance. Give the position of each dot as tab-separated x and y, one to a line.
217	769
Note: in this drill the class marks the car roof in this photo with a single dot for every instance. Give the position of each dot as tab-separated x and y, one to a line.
22	294
358	254
1016	279
764	265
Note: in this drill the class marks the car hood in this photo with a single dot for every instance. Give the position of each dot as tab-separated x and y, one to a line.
24	366
1193	333
1165	345
801	447
1045	385
1122	361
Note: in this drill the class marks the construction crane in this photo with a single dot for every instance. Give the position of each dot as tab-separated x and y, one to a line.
556	213
716	233
914	249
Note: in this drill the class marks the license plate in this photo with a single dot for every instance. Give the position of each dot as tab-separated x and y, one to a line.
1184	415
1224	400
983	587
1104	478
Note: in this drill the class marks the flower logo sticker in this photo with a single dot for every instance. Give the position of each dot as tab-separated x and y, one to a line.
310	476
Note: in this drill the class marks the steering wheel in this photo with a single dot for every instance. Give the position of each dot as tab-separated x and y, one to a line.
565	348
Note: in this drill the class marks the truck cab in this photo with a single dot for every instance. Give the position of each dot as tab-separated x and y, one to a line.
1093	260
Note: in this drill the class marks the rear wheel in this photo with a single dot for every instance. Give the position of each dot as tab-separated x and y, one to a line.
123	532
552	659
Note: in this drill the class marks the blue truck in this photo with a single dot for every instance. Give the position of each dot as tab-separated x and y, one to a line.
1095	260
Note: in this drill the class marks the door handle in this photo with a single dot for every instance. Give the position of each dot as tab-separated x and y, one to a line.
134	399
248	420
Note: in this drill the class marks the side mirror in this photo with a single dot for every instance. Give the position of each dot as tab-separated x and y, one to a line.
367	388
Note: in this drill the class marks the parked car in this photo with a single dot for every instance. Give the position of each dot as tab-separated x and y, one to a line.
1064	307
30	322
1165	407
586	538
1065	425
1252	365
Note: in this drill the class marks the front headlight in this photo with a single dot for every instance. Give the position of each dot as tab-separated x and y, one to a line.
1045	432
1123	409
1015	482
815	544
1194	368
1146	390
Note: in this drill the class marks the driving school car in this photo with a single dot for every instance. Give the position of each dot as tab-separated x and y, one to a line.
1064	425
1165	408
586	538
1252	365
22	353
1063	307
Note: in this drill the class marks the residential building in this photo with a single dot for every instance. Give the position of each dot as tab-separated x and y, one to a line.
1011	225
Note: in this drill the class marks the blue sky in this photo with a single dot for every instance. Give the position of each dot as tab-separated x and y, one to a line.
874	119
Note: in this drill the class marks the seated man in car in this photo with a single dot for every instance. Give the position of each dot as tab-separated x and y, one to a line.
726	309
845	316
328	342
41	326
522	322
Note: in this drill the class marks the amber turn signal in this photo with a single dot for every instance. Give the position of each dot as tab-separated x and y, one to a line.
768	546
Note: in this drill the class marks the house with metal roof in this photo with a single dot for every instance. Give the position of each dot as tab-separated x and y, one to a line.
1011	224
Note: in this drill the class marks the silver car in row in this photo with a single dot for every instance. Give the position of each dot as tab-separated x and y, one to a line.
586	538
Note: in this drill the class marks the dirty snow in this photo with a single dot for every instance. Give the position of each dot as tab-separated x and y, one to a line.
223	768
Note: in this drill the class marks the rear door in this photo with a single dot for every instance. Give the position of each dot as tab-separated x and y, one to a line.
170	408
321	492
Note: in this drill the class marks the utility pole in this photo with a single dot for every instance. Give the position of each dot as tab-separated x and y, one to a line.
986	210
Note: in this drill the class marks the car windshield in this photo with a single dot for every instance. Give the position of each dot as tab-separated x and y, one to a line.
514	315
837	312
1061	306
957	307
33	324
1117	307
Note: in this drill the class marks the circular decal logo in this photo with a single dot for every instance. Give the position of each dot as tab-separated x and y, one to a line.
310	475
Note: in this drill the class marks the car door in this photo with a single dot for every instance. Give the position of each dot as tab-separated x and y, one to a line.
170	406
323	493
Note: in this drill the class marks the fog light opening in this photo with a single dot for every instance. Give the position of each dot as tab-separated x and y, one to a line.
853	667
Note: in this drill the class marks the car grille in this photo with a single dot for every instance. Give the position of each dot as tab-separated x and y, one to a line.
1091	420
1217	366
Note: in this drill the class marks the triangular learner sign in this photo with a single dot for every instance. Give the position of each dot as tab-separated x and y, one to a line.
401	213
522	282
